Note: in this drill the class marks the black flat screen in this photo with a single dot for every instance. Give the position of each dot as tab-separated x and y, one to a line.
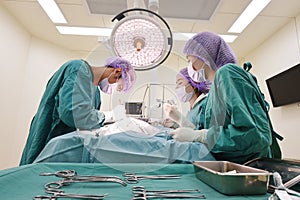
284	88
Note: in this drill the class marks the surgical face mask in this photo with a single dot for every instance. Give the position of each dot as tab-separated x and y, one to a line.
106	87
183	95
199	75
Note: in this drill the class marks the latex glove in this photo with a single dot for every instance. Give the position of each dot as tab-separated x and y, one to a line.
169	123
186	134
116	114
109	117
172	112
119	112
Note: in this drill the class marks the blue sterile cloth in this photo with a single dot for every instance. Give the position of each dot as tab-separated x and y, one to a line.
124	147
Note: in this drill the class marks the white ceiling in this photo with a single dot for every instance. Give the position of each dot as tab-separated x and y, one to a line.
271	19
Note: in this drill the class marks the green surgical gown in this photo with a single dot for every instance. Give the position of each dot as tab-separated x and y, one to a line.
238	125
196	114
70	101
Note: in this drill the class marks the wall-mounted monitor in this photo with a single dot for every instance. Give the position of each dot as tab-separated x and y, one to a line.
284	88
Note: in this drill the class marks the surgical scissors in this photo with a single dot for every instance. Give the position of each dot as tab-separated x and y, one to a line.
132	178
55	194
140	193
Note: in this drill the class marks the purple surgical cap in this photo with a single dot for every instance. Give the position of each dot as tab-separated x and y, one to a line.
211	49
128	73
201	87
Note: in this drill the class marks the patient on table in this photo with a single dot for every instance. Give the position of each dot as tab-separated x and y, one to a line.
127	140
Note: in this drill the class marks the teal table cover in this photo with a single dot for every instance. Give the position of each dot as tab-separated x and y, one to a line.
24	182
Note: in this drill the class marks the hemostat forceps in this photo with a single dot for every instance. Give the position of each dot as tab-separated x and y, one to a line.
73	174
67	181
132	178
142	189
70	176
55	194
61	174
140	193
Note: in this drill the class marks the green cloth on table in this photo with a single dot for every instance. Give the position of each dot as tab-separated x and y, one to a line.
23	183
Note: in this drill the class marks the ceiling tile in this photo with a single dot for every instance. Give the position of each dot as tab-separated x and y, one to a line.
77	15
188	9
111	7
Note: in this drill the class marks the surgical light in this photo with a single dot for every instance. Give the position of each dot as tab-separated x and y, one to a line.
142	37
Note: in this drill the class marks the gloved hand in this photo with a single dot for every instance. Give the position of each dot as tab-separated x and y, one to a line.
119	112
169	123
109	116
116	114
172	113
186	134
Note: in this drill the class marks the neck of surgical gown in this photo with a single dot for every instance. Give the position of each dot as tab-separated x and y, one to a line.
238	126
70	101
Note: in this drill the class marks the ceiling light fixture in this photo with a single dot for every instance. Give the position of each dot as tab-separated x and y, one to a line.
72	30
53	11
252	10
106	32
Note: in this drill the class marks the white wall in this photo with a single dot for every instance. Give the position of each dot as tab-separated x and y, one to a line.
14	49
275	55
26	65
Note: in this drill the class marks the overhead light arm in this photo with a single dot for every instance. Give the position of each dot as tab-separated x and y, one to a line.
153	5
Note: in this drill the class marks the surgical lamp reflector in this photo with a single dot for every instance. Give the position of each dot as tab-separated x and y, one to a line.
144	40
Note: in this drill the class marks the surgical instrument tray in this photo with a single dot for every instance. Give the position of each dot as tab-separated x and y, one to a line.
231	178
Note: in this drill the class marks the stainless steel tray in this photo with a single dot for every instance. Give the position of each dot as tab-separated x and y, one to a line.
231	178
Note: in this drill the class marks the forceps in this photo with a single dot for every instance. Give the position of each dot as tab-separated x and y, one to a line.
61	174
132	178
67	181
55	194
73	174
140	193
70	176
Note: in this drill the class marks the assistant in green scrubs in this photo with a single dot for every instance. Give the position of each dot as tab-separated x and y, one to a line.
237	123
194	93
237	127
72	101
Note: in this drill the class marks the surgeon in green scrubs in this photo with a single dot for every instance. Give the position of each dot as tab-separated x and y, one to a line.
187	90
72	100
237	127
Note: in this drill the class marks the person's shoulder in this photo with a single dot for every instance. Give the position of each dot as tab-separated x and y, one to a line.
230	67
231	70
76	62
75	65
